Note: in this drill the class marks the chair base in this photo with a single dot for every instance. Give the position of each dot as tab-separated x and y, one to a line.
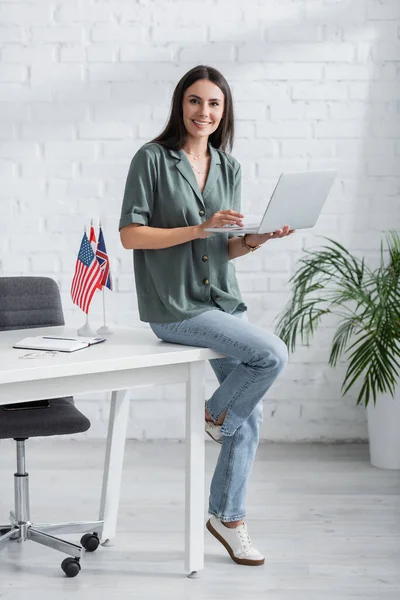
24	530
21	528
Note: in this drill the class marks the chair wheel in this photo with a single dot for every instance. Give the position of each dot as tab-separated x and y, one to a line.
71	566
90	541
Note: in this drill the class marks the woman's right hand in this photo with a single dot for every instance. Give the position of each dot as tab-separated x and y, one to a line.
219	219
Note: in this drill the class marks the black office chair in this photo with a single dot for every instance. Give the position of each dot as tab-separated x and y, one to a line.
28	302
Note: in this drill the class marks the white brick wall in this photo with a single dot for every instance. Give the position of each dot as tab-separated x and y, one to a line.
84	84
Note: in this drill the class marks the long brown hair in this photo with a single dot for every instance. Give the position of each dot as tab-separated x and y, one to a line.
174	134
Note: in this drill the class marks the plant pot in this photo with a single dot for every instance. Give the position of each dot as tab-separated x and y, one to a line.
384	431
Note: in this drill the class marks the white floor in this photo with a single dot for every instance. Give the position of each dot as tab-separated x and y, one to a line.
327	522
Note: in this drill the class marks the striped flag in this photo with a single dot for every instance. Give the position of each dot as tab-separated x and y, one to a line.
92	237
87	276
104	261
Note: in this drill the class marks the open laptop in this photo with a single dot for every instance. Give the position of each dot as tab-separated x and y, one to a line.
297	201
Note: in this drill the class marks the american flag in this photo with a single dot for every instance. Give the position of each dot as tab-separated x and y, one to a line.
104	261
87	277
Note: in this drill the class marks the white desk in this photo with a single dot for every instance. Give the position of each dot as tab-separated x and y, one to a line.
129	358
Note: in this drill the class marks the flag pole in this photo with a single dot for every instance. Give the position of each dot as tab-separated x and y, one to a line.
104	330
104	308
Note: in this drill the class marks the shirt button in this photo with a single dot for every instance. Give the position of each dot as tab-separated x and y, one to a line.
204	258
218	298
205	281
202	212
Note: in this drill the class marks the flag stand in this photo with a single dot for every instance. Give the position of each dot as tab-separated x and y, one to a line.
85	329
92	266
104	330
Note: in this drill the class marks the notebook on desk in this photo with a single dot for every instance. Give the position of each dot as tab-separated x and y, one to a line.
57	343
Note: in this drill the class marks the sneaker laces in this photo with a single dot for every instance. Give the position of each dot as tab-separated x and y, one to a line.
244	537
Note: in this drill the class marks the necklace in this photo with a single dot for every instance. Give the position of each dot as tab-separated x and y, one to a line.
197	171
196	156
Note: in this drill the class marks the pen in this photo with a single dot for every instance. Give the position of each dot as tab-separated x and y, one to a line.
46	337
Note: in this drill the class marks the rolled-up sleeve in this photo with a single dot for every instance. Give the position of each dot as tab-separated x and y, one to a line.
138	201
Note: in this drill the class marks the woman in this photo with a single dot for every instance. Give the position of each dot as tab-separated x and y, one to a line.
178	185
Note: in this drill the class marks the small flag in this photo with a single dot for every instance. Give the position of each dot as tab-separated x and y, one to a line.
87	276
104	261
92	237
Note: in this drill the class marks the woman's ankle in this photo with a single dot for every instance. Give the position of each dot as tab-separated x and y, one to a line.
208	417
232	524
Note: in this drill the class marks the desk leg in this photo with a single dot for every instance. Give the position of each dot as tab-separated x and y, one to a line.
195	469
112	474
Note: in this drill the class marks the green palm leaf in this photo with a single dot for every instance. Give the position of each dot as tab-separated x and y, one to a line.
329	280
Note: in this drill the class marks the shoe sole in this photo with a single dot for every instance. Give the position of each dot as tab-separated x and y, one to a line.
213	438
239	561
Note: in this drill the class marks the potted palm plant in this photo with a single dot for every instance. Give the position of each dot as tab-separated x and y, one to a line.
331	280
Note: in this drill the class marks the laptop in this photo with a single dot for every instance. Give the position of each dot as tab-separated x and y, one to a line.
297	201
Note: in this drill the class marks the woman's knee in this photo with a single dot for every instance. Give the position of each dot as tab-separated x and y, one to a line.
275	355
282	353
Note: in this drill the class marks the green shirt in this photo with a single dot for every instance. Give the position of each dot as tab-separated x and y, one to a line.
173	284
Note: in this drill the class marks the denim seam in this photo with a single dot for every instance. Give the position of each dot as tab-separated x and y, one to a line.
236	395
243	388
217	363
228	476
227	519
181	329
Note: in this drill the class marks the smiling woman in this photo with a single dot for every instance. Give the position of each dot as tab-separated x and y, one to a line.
202	115
178	185
201	89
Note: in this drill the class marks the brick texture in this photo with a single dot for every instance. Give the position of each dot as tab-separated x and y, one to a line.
84	84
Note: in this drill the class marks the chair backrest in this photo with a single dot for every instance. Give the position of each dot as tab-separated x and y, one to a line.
27	302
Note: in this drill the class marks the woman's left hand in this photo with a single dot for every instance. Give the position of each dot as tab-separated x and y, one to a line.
254	239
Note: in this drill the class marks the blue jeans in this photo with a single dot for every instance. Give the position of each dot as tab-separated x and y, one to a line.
254	359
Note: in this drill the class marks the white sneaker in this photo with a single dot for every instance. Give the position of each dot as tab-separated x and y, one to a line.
237	541
214	431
